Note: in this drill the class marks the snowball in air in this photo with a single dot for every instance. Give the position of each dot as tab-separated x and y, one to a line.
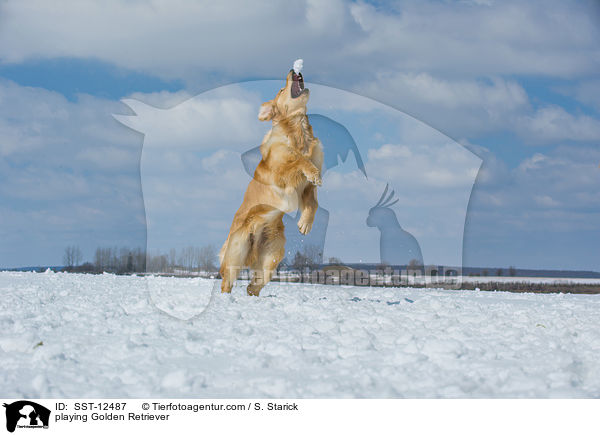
298	64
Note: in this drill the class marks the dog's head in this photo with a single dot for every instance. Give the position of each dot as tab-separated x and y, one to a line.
290	100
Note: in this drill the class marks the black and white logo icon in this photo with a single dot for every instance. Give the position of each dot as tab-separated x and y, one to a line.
26	414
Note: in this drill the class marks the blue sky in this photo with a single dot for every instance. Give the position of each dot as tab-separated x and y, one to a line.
516	83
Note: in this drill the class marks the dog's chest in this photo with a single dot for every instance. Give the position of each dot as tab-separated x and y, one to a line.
289	199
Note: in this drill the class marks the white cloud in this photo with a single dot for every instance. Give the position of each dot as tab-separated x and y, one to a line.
504	38
214	119
439	62
68	174
565	179
588	92
467	108
493	172
416	167
35	120
178	39
161	99
327	16
457	107
28	117
555	124
564	174
108	157
546	200
493	96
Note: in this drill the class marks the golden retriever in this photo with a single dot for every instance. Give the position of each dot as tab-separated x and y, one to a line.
285	180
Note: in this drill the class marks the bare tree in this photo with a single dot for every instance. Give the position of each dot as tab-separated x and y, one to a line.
414	264
105	260
313	253
78	257
139	259
173	258
157	263
125	261
99	259
310	256
300	261
72	256
206	258
186	258
69	256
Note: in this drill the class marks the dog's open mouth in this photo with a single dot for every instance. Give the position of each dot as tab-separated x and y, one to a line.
297	85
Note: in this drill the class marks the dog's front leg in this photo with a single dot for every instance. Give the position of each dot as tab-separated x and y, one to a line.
308	209
308	169
311	172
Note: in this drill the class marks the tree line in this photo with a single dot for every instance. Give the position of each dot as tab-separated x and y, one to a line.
189	259
192	259
125	260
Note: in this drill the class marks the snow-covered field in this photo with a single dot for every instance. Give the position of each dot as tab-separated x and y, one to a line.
103	336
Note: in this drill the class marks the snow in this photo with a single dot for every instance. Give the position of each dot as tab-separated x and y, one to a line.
298	64
103	336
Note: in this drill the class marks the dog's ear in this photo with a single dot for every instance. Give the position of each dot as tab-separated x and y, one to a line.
267	111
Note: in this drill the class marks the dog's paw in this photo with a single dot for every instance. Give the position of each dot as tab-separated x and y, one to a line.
304	226
315	178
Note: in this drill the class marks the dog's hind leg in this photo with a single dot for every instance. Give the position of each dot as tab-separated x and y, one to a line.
272	251
234	258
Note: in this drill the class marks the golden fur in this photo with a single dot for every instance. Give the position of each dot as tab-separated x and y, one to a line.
285	180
